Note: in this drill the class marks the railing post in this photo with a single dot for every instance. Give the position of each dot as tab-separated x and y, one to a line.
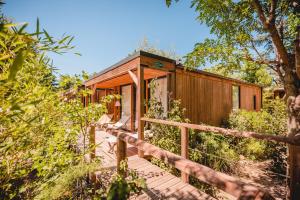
121	153
184	150
92	141
92	144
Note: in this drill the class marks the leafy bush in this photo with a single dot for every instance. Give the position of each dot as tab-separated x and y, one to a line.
205	148
39	125
123	186
270	120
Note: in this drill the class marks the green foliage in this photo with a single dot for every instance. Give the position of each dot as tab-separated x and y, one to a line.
248	72
66	185
270	120
38	130
208	149
122	186
242	39
72	82
145	45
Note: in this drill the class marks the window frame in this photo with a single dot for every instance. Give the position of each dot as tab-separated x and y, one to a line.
239	96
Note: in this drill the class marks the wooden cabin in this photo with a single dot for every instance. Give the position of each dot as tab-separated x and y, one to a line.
208	98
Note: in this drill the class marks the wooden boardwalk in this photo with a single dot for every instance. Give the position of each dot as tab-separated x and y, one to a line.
160	184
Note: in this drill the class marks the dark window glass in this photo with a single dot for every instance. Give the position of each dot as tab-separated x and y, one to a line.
235	97
254	102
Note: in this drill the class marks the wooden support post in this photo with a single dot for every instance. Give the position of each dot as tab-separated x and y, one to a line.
184	150
121	153
132	118
92	144
147	95
92	141
93	97
140	105
86	98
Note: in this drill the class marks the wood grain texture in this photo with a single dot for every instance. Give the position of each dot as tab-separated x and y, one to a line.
171	186
208	99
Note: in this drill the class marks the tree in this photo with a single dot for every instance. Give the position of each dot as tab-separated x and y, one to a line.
38	131
262	32
145	45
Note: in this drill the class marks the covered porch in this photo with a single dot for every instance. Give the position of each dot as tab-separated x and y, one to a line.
132	84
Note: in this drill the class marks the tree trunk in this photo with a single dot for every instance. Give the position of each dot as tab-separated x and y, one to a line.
292	89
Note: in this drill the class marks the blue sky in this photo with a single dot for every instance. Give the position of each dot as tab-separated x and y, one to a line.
108	30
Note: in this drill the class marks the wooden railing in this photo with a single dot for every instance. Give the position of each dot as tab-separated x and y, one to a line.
222	181
228	184
224	131
293	192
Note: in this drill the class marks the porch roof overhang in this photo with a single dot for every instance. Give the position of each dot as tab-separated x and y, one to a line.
119	73
125	78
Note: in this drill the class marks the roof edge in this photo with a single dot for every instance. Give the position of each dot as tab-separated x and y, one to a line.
129	58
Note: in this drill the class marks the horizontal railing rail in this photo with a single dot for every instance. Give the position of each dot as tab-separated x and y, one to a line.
228	184
229	132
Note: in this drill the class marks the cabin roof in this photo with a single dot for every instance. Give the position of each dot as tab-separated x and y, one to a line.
162	58
131	57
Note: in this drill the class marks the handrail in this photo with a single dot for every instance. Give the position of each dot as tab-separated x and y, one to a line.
224	131
205	174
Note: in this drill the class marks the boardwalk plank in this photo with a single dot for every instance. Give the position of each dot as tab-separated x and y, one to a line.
160	184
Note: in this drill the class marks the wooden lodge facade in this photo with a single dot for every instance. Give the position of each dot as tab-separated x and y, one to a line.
208	98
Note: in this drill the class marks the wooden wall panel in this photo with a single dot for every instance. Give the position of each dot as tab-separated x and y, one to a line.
247	94
209	99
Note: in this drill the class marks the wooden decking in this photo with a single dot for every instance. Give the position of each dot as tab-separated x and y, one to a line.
160	184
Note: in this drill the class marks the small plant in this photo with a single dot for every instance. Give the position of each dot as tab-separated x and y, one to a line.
123	186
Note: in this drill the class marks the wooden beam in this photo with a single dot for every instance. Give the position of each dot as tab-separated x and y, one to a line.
132	118
184	150
133	77
140	105
92	142
224	131
230	185
147	95
93	97
121	154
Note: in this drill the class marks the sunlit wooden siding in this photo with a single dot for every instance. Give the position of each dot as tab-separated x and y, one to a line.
208	99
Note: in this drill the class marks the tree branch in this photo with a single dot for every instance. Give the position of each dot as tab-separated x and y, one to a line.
271	28
272	13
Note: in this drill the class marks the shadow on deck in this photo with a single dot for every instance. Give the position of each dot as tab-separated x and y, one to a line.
160	184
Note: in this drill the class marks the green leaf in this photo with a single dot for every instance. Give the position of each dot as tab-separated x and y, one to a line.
22	28
48	36
17	65
78	54
69	42
37	32
64	39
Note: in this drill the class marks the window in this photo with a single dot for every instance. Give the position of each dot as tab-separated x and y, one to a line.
235	97
254	102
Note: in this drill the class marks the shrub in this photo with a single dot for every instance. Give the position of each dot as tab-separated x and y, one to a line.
205	148
270	120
